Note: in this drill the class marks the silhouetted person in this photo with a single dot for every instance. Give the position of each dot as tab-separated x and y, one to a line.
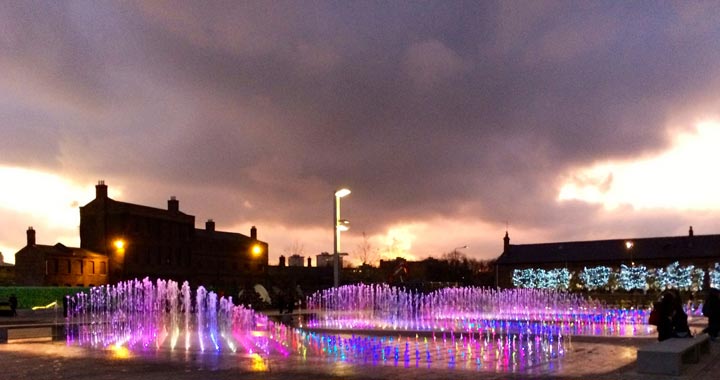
679	318
673	319
13	304
65	306
666	306
711	309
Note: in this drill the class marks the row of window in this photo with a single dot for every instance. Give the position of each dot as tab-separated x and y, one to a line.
68	266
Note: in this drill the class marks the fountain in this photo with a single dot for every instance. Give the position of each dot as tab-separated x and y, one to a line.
471	328
469	309
143	314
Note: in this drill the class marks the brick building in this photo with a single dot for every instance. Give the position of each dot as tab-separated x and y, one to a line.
58	265
164	243
7	272
703	251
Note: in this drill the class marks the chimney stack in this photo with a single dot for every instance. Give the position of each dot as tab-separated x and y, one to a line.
30	237
253	233
309	262
173	204
506	242
210	225
101	190
691	233
282	261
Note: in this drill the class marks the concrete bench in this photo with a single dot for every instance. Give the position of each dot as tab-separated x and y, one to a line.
31	332
668	356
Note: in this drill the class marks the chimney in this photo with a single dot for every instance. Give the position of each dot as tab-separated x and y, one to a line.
210	225
253	233
309	262
101	190
691	233
30	237
506	242
282	261
173	204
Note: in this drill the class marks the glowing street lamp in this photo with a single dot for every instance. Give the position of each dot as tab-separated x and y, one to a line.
257	250
116	260
629	245
338	226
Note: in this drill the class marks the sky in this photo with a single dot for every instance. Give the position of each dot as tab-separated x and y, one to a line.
451	122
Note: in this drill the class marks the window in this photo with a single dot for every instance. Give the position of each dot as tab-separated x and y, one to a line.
92	267
103	269
78	266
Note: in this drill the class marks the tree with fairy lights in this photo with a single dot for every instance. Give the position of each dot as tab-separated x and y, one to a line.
676	276
714	274
632	278
596	277
524	278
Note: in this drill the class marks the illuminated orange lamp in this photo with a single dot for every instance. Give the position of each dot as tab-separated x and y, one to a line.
119	244
257	250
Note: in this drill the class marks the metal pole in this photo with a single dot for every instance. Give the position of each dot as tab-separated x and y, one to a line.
336	245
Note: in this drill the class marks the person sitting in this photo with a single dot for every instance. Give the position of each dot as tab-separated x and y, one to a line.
711	309
666	308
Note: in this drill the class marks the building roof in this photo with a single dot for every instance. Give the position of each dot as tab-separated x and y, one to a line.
205	235
61	250
140	210
656	248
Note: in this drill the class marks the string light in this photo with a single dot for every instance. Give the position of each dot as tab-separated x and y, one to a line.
595	278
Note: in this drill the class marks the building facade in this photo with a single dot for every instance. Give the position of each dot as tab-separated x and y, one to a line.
7	272
702	251
58	265
142	241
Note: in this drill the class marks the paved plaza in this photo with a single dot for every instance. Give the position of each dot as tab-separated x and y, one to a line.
583	358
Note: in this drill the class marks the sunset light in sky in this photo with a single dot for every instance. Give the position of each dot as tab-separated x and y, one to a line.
677	178
450	121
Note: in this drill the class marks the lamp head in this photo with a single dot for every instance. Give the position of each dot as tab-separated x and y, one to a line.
342	192
343	225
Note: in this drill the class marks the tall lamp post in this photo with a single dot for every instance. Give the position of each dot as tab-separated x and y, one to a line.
629	246
338	226
455	260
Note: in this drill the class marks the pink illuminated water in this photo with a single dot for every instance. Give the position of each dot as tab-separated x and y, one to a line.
470	309
375	325
143	314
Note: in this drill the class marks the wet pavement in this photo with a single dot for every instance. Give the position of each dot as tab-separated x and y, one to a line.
583	358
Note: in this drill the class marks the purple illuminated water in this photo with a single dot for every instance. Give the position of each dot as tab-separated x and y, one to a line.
470	328
143	314
470	309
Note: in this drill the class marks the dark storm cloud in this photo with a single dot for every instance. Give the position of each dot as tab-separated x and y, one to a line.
425	109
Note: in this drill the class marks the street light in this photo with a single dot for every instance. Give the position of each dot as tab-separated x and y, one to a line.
116	260
629	245
338	226
455	261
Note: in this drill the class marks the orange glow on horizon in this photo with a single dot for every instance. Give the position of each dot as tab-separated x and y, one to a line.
679	178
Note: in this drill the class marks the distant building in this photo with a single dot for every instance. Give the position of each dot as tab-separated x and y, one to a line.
144	241
296	261
703	251
325	260
58	265
7	272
